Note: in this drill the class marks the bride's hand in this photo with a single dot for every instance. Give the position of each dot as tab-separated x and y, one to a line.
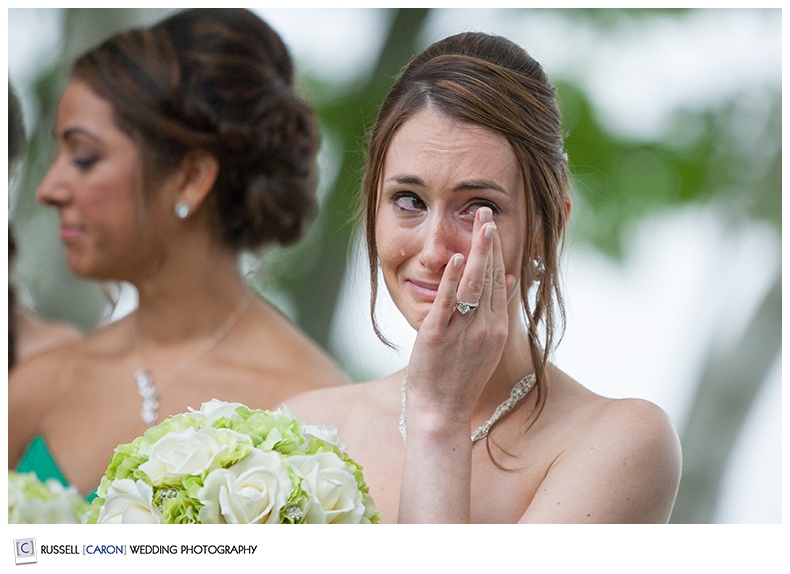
455	354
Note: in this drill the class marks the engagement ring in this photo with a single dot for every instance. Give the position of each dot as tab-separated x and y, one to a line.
464	308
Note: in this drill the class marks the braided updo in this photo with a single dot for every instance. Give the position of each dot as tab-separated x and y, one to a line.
219	81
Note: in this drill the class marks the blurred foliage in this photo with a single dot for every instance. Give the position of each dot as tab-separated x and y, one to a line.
727	157
620	181
316	287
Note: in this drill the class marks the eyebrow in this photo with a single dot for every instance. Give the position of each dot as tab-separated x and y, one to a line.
71	132
474	184
407	180
480	184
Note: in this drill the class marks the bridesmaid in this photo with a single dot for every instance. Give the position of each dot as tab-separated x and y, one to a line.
180	146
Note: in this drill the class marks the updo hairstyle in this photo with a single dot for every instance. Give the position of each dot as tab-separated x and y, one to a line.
220	81
492	82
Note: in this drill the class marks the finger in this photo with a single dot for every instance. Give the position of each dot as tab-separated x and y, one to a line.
470	289
486	298
444	303
499	277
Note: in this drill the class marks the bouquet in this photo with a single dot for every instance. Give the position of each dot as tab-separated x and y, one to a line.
228	464
31	501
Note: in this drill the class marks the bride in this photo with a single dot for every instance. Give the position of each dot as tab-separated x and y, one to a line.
467	199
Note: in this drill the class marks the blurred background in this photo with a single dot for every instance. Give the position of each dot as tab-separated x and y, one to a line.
673	262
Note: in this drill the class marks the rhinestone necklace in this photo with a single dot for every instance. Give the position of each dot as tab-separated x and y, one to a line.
519	391
145	383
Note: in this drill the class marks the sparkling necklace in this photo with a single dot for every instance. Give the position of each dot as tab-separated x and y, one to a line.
145	383
519	391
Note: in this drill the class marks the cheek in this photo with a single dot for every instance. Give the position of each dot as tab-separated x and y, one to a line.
512	240
512	254
99	198
115	193
391	242
390	251
104	189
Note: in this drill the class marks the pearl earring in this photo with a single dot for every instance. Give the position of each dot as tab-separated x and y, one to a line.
181	210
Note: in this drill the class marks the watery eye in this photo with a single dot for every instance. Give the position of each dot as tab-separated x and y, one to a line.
407	202
472	208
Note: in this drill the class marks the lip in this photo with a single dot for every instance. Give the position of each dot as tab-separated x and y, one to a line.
423	289
71	232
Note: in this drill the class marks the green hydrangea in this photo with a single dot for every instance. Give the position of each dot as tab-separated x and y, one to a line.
31	501
227	463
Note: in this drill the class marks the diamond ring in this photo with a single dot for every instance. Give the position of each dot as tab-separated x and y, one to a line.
464	308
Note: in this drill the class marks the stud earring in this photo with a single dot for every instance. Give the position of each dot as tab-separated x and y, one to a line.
181	209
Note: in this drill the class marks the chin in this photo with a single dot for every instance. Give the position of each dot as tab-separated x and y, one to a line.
415	317
78	269
412	310
89	272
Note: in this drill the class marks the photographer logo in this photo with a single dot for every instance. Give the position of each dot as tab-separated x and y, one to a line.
25	550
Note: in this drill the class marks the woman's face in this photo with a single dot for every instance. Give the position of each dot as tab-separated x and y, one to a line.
437	173
95	182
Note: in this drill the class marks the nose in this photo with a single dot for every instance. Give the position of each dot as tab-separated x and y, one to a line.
441	240
53	190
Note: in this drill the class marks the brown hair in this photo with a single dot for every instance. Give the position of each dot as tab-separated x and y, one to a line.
492	82
219	81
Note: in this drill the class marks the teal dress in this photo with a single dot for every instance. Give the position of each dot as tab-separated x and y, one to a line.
39	460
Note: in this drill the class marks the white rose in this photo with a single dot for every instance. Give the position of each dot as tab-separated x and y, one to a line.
37	511
334	491
326	433
16	495
28	505
215	410
129	502
252	491
189	452
56	511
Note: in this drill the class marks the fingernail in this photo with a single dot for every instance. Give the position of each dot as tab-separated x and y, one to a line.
458	260
489	231
485	214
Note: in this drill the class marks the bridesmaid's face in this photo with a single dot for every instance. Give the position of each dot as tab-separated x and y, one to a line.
95	182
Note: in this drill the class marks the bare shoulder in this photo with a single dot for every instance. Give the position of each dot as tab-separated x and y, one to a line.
37	335
342	404
633	422
291	353
42	378
640	436
620	461
34	387
634	425
38	374
638	450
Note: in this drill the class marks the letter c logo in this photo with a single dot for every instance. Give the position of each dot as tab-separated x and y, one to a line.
25	549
